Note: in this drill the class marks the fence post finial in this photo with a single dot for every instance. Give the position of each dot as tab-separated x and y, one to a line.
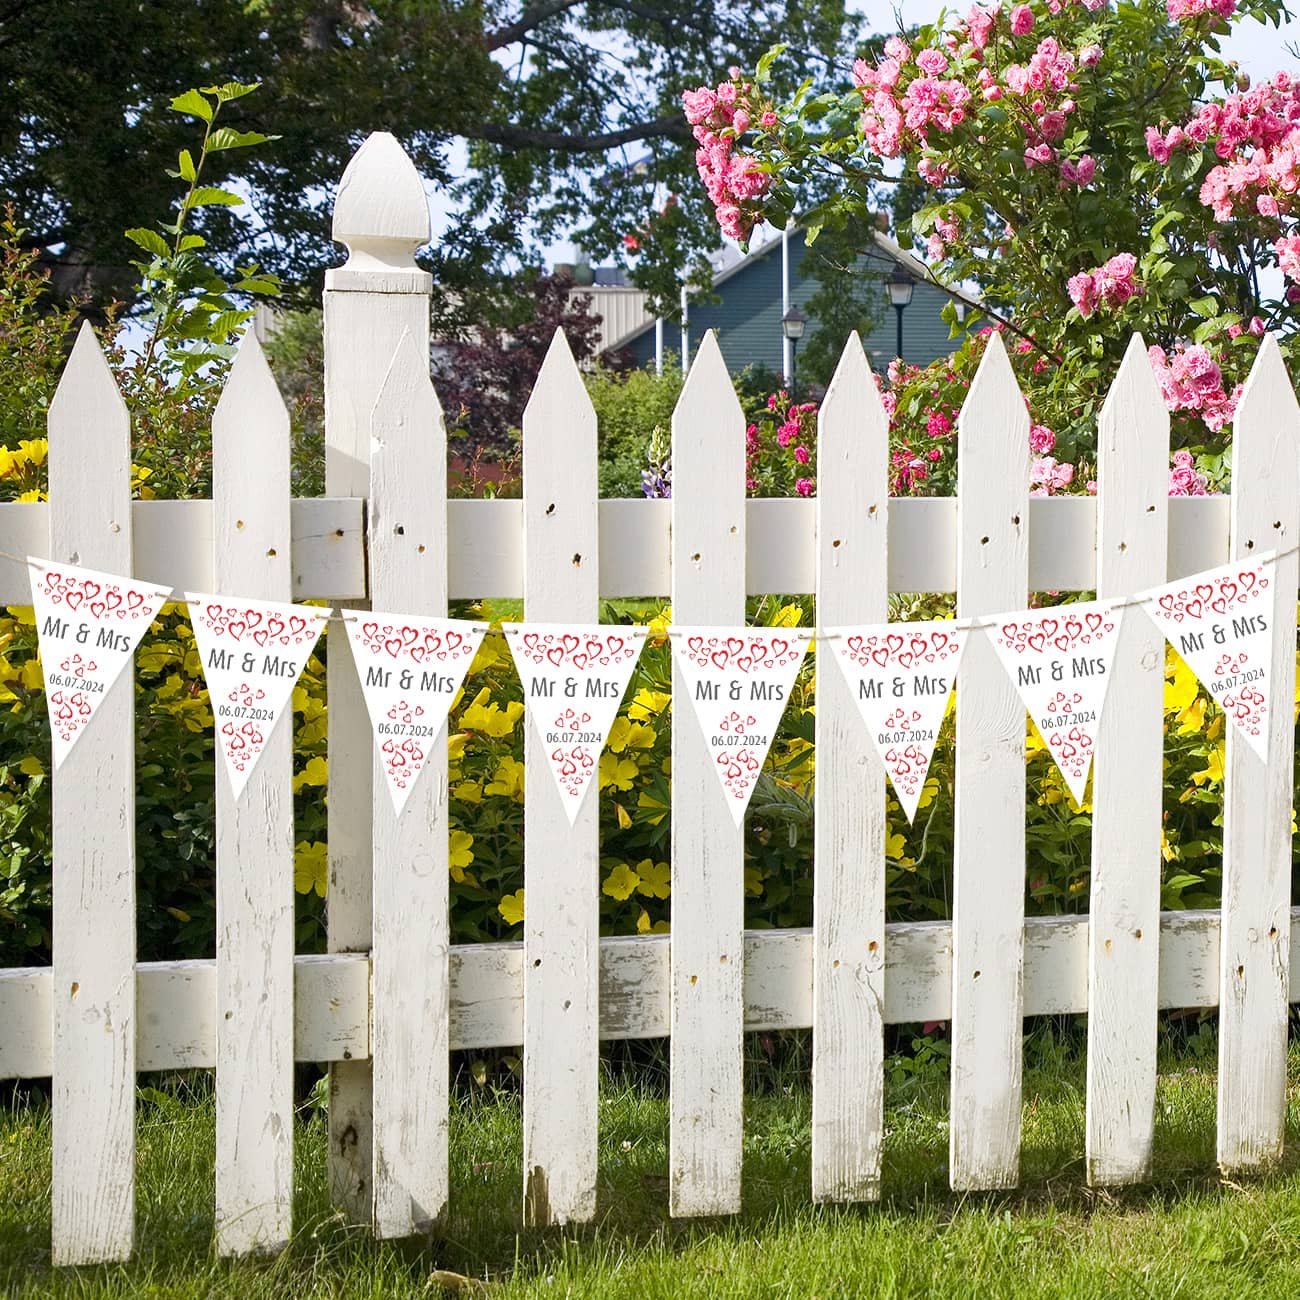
381	213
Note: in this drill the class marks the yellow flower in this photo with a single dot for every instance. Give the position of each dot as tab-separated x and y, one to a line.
929	791
34	494
658	633
621	883
491	652
31	675
310	867
468	792
35	450
315	773
646	704
1213	769
511	907
894	846
32	766
460	854
625	734
456	746
787	616
508	780
488	718
655	879
644	927
617	773
753	882
624	817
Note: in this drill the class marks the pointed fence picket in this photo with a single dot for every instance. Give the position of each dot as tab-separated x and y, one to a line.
561	862
1258	796
392	994
1128	782
94	1059
407	528
708	881
988	905
255	931
849	834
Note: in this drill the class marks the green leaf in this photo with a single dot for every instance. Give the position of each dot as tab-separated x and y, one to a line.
207	195
225	137
150	240
231	90
764	70
193	103
1206	306
191	241
186	167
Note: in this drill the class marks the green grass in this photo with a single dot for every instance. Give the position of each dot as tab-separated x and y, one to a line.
1187	1234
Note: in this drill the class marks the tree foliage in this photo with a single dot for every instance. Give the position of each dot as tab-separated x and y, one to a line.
549	102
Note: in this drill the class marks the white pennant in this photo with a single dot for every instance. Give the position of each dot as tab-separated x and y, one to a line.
88	625
252	653
738	680
574	676
410	670
1059	659
1221	622
901	675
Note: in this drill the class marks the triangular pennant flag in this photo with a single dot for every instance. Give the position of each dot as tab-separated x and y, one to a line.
88	625
738	680
252	653
410	670
901	675
1221	622
1059	659
574	677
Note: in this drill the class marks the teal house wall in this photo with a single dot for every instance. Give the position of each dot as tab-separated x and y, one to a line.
748	316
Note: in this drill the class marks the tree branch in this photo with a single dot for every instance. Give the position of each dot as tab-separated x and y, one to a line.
524	137
531	17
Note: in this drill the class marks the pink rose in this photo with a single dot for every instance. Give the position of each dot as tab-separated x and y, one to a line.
1022	20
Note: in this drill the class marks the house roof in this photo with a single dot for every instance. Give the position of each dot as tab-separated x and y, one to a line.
887	247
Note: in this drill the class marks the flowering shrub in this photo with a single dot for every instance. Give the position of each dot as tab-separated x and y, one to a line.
1094	166
781	448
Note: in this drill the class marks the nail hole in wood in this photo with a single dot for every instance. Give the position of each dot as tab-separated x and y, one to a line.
1241	971
695	979
871	947
75	988
239	523
399	531
1123	546
1015	519
567	1003
550	510
537	963
1151	510
984	541
695	559
835	545
270	555
1250	546
1277	523
1109	945
420	548
835	964
577	560
872	510
977	974
1272	934
733	530
1137	934
338	532
722	961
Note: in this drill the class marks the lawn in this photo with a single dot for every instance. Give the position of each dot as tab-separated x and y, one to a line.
1189	1233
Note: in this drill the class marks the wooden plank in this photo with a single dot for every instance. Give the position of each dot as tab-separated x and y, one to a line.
176	1021
707	1017
408	573
561	861
93	823
255	844
382	216
849	827
174	545
1258	796
989	825
1128	782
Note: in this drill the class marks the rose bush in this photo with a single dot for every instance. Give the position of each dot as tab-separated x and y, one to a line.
1094	168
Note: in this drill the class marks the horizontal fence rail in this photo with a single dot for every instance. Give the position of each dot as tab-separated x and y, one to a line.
173	545
177	1007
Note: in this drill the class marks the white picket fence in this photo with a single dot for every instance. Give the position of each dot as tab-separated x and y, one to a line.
391	998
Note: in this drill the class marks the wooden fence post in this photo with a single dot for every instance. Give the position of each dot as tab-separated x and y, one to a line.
1254	945
255	842
561	862
382	216
849	826
409	1013
988	906
1128	781
93	1190
708	917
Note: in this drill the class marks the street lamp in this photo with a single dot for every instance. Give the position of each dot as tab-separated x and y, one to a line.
792	327
900	285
